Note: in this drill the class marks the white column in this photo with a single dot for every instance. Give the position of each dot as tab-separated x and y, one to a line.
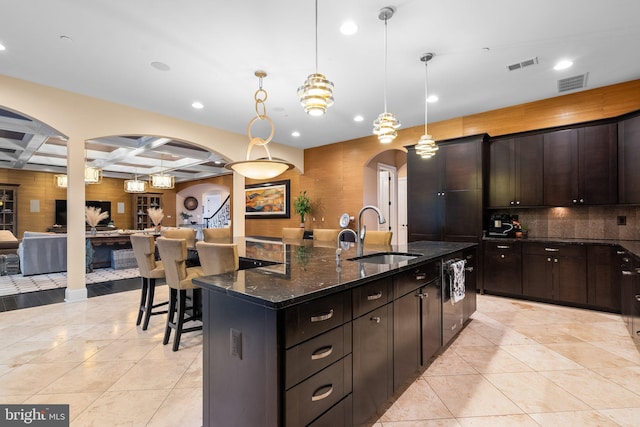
76	234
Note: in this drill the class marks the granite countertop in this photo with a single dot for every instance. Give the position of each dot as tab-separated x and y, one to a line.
633	246
308	269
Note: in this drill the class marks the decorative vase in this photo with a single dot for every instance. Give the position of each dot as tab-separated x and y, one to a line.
186	220
93	231
158	227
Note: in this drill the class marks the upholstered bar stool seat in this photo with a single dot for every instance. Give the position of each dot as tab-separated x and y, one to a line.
173	253
217	235
326	234
375	237
216	258
189	234
292	233
144	250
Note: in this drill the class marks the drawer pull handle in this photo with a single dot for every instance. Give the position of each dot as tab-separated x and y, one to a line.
627	273
637	297
469	269
321	353
375	319
503	246
324	395
620	252
322	317
552	250
423	295
421	276
374	296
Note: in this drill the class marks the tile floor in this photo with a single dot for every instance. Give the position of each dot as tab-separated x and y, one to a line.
516	364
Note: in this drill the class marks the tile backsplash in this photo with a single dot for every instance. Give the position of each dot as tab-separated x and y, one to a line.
585	222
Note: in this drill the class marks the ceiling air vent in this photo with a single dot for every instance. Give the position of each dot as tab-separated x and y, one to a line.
572	83
522	64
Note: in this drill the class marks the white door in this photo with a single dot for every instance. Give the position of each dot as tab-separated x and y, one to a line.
402	211
387	199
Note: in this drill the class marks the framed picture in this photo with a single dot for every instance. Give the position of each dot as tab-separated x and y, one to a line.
267	200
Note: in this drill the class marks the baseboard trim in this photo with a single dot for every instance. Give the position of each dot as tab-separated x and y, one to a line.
75	295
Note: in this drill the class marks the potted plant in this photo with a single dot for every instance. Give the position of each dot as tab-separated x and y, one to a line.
185	216
302	206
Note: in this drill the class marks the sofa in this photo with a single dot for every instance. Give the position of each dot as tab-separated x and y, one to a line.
42	253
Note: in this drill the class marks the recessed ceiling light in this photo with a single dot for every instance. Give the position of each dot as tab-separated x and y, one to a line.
295	134
2	47
563	65
160	66
197	105
358	118
432	98
348	28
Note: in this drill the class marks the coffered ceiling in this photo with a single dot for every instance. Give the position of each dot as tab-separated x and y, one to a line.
162	55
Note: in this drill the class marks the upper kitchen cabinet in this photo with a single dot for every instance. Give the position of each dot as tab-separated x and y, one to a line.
516	171
628	160
444	193
580	166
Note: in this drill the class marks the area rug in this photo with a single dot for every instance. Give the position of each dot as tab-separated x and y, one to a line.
17	283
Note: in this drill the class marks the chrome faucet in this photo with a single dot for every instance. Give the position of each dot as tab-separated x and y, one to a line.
362	231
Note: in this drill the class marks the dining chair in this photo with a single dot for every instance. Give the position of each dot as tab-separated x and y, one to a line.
143	246
173	253
189	234
217	235
375	237
216	258
292	233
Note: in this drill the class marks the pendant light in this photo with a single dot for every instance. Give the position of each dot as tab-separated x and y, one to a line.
60	181
316	94
92	175
260	168
162	181
386	124
426	147
134	185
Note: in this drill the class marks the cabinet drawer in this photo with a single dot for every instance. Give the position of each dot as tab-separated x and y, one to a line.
554	249
371	296
307	320
410	280
312	397
340	415
502	247
313	355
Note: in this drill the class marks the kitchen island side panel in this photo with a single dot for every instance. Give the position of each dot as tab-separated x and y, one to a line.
240	363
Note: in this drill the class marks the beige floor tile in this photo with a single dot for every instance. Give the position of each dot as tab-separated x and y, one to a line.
504	336
31	378
540	358
622	347
626	377
72	350
418	402
573	419
449	363
471	395
180	408
593	389
470	338
590	356
90	376
160	375
499	421
77	402
533	392
122	408
448	422
124	349
193	377
491	359
24	351
626	417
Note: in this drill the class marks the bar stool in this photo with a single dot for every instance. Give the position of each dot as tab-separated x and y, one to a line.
375	237
189	234
174	255
217	235
292	233
144	250
216	258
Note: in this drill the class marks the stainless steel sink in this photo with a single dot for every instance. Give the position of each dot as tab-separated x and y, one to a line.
385	257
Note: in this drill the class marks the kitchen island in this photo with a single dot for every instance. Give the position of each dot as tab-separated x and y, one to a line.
310	341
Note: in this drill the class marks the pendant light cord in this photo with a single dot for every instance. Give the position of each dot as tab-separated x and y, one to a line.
316	36
426	94
385	65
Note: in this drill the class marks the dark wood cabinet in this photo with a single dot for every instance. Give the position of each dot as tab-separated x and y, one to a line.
628	160
9	208
372	363
580	166
141	205
414	309
603	288
516	171
445	192
555	272
629	276
470	281
503	267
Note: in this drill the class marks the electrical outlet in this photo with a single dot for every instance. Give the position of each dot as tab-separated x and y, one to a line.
235	341
622	220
